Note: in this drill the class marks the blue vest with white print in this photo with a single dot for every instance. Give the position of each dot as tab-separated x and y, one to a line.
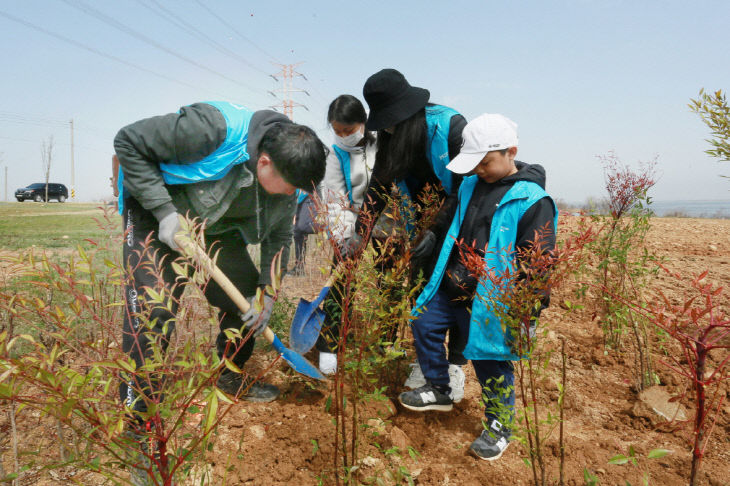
344	157
233	151
487	339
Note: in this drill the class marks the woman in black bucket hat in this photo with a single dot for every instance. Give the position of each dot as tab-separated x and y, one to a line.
416	140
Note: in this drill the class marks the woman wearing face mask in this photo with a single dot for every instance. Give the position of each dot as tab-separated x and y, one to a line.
416	140
346	179
349	165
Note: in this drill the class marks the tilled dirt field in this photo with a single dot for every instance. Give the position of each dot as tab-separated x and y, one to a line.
290	441
603	414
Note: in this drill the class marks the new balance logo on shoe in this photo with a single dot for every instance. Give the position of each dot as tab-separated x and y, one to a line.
491	443
456	380
426	398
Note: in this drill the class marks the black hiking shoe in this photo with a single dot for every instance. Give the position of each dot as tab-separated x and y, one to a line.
139	461
425	398
141	465
235	386
491	443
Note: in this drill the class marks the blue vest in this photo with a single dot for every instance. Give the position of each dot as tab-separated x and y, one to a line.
438	122
301	196
120	188
231	152
487	339
216	165
344	157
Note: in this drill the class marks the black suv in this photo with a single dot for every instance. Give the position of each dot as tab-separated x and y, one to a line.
37	192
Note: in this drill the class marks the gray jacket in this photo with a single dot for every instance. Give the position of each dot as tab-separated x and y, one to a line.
228	204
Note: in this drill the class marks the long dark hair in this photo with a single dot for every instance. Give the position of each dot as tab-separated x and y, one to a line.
348	110
404	150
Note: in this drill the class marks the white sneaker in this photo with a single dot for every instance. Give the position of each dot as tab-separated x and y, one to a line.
416	378
327	363
456	382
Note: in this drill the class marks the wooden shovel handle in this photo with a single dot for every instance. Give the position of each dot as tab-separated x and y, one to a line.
220	278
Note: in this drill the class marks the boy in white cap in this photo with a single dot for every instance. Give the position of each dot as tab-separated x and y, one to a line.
499	193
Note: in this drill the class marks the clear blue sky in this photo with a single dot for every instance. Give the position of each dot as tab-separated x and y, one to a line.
580	77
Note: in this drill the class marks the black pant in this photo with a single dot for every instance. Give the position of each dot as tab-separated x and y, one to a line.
329	337
303	227
144	263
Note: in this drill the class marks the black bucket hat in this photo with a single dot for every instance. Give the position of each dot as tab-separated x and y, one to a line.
391	99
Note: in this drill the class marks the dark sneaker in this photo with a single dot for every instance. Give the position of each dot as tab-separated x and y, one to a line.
139	462
491	443
234	385
425	398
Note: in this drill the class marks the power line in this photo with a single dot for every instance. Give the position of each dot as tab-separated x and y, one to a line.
38	120
100	53
33	116
224	22
139	36
317	93
176	20
57	143
25	120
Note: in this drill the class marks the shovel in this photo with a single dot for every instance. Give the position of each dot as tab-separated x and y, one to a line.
298	362
308	320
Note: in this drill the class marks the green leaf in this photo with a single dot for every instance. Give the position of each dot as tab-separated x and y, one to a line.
231	366
127	365
153	294
619	459
223	397
211	411
413	453
657	453
178	269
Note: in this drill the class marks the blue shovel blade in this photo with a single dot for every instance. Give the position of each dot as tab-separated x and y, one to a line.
298	362
307	323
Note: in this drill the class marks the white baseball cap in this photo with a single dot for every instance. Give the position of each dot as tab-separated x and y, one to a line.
485	133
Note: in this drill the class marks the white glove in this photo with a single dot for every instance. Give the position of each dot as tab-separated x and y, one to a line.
169	227
258	319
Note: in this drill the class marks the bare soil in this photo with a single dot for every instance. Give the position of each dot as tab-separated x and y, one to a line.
274	443
290	441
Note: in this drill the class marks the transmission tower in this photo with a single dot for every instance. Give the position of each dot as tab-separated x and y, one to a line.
287	74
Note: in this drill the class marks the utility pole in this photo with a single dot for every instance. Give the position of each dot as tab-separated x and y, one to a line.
287	104
73	173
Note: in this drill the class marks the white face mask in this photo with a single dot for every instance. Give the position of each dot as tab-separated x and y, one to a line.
350	141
